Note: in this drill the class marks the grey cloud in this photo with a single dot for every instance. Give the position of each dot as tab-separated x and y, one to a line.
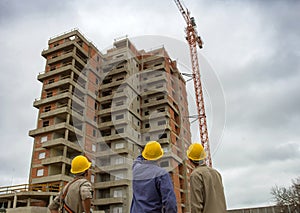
12	11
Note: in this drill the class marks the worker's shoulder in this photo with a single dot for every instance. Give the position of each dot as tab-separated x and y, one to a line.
82	182
204	169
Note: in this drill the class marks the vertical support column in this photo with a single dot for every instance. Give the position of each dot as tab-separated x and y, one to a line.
63	168
51	199
9	204
28	201
15	201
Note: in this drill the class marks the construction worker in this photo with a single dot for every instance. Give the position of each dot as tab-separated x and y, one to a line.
77	194
206	188
152	186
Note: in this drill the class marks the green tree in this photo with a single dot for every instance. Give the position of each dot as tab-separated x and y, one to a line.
288	198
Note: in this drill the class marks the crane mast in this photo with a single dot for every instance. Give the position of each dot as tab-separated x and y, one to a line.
193	39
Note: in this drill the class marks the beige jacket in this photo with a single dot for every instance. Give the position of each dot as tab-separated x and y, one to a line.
207	193
78	191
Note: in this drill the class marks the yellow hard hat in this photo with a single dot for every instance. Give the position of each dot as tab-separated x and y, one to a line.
196	152
80	164
152	151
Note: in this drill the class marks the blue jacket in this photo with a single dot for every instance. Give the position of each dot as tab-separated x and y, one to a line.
152	188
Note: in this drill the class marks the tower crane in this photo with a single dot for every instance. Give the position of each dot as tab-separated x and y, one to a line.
193	40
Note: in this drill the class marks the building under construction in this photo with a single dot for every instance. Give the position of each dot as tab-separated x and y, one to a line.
106	106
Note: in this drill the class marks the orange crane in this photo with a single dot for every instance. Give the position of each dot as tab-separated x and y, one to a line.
193	39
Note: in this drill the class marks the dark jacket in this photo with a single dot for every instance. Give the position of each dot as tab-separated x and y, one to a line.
152	188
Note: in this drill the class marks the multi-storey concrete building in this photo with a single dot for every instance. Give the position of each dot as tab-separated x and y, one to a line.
108	106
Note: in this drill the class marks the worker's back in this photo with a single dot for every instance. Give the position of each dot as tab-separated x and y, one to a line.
152	188
207	187
75	192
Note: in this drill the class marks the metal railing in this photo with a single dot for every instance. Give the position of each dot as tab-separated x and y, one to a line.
48	187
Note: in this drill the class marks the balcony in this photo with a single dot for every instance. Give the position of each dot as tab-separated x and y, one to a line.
57	159
114	183
54	127
116	70
115	167
155	114
61	70
111	200
64	109
62	142
51	178
59	47
64	94
172	155
110	152
153	67
113	137
112	84
65	80
63	56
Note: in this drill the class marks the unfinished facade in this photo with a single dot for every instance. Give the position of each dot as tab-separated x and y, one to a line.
108	106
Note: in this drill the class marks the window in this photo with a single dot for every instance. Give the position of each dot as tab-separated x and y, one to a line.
117	210
147	113
40	172
164	164
120	90
93	162
52	68
147	138
119	103
98	58
163	135
93	178
118	193
51	81
45	123
107	81
119	176
93	147
49	94
44	139
161	109
121	130
158	86
97	81
119	160
159	123
160	98
146	101
119	79
94	133
118	117
42	155
119	145
47	109
166	149
96	106
147	125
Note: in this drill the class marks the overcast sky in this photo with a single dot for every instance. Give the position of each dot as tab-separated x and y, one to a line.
252	46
